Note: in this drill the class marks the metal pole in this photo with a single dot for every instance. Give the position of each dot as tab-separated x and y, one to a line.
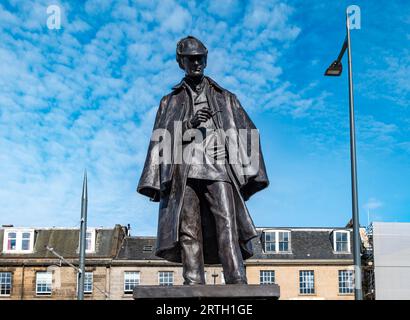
342	51
73	266
62	258
355	209
83	229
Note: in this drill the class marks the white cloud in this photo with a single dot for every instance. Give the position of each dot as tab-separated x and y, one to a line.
270	18
96	7
389	79
373	204
172	17
72	101
224	9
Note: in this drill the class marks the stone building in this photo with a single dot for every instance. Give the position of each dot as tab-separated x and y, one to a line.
28	270
307	263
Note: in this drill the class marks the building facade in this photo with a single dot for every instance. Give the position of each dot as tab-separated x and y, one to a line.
29	269
307	263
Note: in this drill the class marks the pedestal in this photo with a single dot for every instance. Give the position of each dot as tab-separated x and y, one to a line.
203	292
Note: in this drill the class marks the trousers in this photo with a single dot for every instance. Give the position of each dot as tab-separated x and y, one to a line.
209	204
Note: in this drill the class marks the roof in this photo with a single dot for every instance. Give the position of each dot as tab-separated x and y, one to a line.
133	249
66	243
306	244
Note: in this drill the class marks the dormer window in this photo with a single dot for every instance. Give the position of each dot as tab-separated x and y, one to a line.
12	241
270	241
341	241
276	241
283	240
18	241
89	241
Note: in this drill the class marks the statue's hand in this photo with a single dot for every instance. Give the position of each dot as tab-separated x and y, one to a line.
202	115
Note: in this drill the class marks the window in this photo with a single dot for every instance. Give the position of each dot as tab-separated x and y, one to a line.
166	278
267	277
341	241
131	279
90	240
306	282
277	241
346	281
12	241
25	241
147	249
18	241
283	241
5	283
88	282
43	283
270	241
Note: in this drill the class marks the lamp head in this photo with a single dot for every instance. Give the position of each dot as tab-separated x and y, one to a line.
335	69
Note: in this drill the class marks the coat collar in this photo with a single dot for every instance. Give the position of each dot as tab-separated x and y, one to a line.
210	81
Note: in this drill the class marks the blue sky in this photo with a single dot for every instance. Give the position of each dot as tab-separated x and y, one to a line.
85	96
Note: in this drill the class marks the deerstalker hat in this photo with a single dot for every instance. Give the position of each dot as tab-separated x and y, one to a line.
191	46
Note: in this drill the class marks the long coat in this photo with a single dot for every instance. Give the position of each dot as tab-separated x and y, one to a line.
165	183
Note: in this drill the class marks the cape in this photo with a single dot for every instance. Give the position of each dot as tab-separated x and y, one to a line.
165	182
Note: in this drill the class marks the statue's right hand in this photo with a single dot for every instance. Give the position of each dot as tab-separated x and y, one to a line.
202	115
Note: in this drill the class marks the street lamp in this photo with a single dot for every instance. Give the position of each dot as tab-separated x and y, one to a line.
83	231
335	69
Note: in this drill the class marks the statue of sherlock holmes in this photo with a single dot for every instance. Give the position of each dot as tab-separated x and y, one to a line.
204	161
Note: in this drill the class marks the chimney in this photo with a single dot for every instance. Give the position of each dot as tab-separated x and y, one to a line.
128	230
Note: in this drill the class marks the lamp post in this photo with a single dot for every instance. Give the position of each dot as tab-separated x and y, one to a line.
335	69
83	230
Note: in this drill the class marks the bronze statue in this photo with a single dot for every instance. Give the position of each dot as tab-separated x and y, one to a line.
203	218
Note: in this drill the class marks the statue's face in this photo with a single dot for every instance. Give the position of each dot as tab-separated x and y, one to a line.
194	65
